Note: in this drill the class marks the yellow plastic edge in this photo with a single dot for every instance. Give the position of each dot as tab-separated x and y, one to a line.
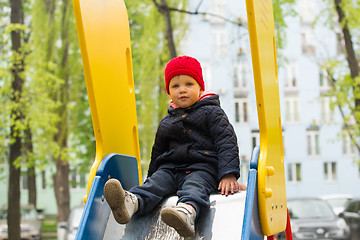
271	176
104	37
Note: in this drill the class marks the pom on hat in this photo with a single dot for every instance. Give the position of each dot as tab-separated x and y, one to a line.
184	65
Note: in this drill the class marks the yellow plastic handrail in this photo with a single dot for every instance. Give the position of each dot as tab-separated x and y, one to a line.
104	36
271	175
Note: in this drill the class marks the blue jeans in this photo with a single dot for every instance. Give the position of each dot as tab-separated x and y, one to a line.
192	187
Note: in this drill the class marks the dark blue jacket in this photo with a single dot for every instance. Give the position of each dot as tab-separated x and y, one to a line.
196	138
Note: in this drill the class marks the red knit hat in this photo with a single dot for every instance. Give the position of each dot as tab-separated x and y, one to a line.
184	65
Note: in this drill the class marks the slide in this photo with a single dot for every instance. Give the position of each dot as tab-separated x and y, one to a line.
104	37
232	217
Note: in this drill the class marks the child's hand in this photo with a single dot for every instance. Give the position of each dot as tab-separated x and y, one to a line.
228	184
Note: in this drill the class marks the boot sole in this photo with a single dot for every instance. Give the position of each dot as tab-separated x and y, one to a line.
174	220
115	197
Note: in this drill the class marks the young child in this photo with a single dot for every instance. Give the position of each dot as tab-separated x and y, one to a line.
195	153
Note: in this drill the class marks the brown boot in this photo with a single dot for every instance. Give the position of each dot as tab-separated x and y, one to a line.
181	218
123	204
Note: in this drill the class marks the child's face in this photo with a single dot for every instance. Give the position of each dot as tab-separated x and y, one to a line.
184	90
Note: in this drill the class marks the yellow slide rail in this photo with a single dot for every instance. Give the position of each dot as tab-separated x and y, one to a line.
106	55
271	175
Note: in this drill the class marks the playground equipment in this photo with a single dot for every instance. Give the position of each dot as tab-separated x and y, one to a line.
104	37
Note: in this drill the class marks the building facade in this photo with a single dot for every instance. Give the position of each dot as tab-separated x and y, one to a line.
319	157
46	200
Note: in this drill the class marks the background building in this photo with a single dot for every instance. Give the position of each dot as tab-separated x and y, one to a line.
45	192
319	158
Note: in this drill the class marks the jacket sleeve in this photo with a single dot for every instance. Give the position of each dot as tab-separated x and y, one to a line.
225	140
159	147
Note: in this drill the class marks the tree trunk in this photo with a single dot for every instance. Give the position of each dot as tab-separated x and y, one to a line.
32	186
31	168
169	30
164	10
13	217
62	191
350	52
353	66
61	178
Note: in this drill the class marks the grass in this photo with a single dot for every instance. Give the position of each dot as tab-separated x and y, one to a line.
49	228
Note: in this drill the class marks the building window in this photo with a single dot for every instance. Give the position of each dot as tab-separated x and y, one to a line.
327	115
292	76
354	208
348	146
313	143
306	11
24	181
43	179
325	83
340	42
77	180
241	110
255	138
219	38
73	177
241	75
218	8
292	109
206	70
308	41
294	172
283	140
330	171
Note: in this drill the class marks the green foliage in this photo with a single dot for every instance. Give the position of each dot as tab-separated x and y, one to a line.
146	34
5	86
42	99
5	109
346	89
42	116
49	228
149	57
58	87
351	9
282	9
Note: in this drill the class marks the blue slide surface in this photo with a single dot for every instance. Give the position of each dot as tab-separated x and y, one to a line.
232	217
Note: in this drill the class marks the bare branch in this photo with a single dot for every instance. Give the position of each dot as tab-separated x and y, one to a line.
163	7
198	6
206	13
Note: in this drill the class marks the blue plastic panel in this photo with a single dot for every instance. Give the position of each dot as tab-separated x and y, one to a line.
96	211
251	225
122	167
